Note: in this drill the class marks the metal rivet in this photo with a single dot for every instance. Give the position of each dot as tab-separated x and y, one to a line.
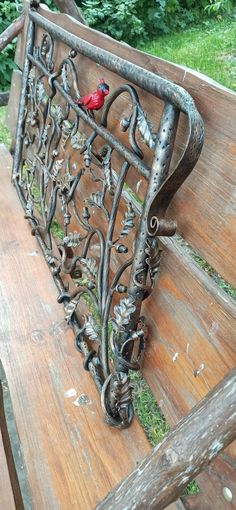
227	494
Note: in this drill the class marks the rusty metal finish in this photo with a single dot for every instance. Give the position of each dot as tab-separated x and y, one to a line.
111	334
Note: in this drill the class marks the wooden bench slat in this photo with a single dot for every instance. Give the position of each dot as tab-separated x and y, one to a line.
192	343
178	505
205	205
72	458
20	46
205	210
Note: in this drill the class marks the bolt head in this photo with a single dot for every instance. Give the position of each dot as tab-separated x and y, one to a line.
73	53
227	494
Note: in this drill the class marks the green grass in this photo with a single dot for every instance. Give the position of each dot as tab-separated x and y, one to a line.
56	230
191	489
209	48
4	132
215	276
152	419
207	268
147	410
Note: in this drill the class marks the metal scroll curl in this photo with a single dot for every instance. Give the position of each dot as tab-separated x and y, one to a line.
103	249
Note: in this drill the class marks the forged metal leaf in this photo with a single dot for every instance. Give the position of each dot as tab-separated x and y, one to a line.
90	266
56	113
145	129
106	165
65	132
45	135
78	140
56	168
152	259
46	175
91	328
29	208
95	199
122	313
40	91
87	157
50	259
65	183
65	82
128	221
32	73
66	127
70	309
72	240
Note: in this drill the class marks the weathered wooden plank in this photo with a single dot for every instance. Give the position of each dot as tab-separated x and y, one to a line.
177	505
191	445
191	344
70	8
205	205
91	79
20	45
72	458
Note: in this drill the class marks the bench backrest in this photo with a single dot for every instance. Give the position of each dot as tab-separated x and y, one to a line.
190	318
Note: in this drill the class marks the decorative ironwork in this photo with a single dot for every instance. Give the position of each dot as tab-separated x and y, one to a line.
62	149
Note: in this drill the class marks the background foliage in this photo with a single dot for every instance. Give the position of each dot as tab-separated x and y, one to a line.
132	21
135	20
10	10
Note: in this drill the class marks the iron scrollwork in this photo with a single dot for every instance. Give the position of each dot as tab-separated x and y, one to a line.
64	150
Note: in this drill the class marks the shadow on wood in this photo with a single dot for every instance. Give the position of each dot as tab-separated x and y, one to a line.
12	448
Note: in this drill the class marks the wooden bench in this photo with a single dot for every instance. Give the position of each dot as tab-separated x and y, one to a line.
71	458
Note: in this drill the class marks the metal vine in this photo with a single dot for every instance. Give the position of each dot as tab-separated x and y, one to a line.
106	242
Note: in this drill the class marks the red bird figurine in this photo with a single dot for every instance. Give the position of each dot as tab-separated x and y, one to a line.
94	101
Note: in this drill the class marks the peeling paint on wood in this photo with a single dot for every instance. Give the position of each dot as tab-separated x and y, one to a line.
162	476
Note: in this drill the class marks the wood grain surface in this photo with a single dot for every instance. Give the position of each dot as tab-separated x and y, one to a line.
191	343
205	205
192	339
73	459
20	45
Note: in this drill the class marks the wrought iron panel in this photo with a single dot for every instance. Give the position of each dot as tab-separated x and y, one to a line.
99	241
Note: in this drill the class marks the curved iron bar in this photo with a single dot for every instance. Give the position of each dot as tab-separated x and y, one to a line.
40	117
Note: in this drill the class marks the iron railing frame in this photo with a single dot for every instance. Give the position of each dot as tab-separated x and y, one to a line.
114	384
